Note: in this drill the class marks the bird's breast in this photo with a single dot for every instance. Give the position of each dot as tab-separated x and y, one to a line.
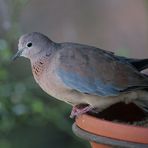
44	72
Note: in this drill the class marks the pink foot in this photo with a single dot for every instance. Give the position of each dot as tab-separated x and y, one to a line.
80	109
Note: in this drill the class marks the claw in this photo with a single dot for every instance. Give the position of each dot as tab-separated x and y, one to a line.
78	110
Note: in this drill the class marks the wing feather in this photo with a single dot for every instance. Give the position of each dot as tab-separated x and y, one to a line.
94	71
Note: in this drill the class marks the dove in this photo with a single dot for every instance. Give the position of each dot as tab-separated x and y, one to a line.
84	76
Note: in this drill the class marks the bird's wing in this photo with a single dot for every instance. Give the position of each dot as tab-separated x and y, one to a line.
139	64
97	72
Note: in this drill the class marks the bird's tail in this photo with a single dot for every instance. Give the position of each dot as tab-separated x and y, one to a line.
143	104
139	64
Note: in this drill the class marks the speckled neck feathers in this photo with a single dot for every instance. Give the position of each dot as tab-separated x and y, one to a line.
38	68
40	61
39	65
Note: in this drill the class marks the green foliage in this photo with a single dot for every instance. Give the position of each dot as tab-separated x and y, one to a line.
23	104
26	112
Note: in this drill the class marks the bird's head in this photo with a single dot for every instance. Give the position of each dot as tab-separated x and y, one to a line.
32	44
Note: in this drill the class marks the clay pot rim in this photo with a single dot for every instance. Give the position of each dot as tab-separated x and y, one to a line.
119	131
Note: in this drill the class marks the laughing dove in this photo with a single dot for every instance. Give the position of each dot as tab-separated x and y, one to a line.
84	76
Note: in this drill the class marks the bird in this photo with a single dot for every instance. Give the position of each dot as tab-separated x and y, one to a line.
86	77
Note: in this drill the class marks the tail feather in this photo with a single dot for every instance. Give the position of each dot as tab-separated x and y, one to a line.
139	64
143	104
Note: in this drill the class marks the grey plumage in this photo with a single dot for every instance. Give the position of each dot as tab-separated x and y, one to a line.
82	74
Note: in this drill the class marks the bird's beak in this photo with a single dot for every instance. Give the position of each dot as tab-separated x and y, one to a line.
18	54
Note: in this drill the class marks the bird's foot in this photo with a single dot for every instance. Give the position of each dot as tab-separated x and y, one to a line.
80	109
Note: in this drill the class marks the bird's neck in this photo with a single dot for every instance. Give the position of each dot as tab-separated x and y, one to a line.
42	60
38	66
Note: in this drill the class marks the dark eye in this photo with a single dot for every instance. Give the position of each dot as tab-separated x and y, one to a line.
29	44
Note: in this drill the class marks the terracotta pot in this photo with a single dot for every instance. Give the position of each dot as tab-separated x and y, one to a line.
104	134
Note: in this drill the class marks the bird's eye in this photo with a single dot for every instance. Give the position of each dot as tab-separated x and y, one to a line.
29	44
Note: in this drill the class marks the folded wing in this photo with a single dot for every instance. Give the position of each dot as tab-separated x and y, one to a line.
97	72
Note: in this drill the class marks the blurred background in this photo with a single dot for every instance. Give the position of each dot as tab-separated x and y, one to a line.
29	117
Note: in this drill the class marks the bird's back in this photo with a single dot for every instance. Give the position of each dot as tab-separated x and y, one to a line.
97	65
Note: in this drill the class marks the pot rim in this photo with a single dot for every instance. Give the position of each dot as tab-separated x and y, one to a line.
114	130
